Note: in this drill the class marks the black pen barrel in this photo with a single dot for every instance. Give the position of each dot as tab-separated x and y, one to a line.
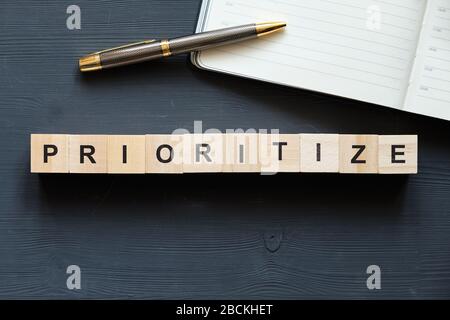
212	39
154	50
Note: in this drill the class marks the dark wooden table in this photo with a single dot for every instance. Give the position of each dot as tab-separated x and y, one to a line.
198	236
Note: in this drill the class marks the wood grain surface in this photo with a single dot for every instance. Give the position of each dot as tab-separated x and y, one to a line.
198	236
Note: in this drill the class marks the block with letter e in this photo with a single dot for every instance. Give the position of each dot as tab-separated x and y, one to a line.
49	153
397	154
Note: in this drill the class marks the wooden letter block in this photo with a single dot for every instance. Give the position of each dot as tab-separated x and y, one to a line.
49	153
358	153
88	153
203	152
126	154
164	153
319	153
241	152
279	152
397	154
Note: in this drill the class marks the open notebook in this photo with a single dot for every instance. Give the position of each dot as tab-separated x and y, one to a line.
394	53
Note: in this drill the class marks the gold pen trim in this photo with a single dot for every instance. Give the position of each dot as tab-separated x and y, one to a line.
90	62
165	48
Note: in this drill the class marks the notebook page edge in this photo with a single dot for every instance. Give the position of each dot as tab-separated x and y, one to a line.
414	97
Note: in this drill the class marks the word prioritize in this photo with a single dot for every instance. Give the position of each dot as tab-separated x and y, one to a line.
246	152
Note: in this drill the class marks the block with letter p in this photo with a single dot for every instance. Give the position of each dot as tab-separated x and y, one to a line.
49	153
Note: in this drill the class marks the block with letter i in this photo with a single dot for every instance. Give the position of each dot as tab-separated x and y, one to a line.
319	153
49	153
164	153
88	153
397	154
358	153
241	152
126	154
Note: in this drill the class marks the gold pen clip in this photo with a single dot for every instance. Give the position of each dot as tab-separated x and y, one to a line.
126	46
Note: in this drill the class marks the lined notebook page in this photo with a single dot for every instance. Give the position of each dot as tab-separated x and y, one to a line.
430	88
360	49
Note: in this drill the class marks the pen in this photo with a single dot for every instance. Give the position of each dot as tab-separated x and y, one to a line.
154	49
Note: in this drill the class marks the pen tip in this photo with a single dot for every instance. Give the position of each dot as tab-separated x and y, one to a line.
281	24
265	28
